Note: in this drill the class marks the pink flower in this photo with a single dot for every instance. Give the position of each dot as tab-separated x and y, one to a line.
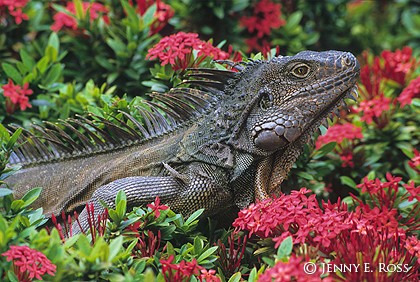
29	263
410	92
63	20
177	50
208	276
16	96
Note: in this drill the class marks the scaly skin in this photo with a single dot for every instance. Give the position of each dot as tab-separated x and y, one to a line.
239	149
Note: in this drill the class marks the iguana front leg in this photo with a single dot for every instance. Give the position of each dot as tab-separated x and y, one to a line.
204	186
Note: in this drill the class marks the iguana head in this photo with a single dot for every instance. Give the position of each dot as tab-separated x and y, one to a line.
293	94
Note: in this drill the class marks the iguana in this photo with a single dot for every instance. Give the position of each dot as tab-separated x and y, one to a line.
226	139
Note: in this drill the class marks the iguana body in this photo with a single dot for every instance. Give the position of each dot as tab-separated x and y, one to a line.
234	145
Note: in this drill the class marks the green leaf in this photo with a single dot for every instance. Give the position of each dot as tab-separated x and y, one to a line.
235	277
121	209
42	64
149	16
305	175
120	196
26	59
294	19
348	181
79	9
53	41
285	248
12	141
53	75
115	247
5	192
12	73
325	149
31	196
194	216
17	205
406	204
12	276
198	245
253	275
207	253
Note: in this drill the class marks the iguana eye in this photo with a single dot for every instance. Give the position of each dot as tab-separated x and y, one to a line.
301	70
266	101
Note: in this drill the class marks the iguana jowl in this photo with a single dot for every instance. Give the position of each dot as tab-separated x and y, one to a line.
225	145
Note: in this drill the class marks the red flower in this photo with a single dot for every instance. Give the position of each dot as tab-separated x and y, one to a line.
63	20
266	16
414	163
397	64
412	244
180	272
293	270
347	159
413	191
16	96
177	50
410	92
261	45
162	15
29	263
339	132
157	207
14	8
373	108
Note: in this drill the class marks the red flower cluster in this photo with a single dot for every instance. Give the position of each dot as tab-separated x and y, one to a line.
266	16
185	270
410	92
386	197
371	234
163	13
14	8
293	270
16	96
397	64
29	263
414	163
339	132
177	50
373	109
295	215
63	20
